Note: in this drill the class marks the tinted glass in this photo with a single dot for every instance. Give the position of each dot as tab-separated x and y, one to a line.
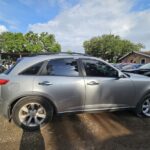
33	70
96	68
146	66
62	67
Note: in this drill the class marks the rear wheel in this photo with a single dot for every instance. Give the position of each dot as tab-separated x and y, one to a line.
31	113
143	108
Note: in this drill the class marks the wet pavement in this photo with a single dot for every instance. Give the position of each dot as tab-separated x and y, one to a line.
104	131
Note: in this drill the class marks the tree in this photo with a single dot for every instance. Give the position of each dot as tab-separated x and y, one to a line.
49	43
32	43
69	51
43	42
28	43
110	47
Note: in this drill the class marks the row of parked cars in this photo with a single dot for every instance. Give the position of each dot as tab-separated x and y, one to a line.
143	69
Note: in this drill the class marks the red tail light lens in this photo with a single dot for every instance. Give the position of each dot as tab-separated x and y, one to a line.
3	81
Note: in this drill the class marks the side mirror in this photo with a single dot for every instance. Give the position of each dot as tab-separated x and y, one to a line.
120	75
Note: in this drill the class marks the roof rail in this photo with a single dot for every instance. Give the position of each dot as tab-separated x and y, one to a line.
59	53
73	53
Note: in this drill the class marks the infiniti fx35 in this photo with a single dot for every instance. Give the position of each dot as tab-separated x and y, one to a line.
38	87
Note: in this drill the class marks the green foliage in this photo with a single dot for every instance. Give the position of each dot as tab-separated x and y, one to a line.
49	43
110	47
28	43
69	51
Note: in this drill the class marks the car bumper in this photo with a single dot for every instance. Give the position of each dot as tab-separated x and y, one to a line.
3	109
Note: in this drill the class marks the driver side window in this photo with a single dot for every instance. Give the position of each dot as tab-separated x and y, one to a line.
95	68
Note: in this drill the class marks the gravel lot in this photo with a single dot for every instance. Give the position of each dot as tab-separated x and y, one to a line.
106	131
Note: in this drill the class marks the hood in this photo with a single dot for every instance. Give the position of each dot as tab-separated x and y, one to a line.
133	75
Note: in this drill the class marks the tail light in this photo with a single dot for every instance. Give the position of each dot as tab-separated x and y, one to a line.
3	81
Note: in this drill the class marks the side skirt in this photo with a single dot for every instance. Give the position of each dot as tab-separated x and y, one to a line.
96	110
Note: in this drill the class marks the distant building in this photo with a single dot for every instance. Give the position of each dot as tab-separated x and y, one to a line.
136	57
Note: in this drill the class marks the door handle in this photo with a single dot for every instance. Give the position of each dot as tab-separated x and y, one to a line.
46	83
92	83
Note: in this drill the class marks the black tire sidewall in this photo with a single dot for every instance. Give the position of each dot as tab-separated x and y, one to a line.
23	101
139	106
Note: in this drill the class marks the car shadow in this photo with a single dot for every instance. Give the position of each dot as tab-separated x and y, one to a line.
107	131
115	130
32	141
136	135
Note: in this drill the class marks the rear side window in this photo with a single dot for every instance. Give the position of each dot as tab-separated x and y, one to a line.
33	70
62	67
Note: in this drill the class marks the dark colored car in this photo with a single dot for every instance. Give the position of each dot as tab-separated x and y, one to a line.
131	66
144	70
120	65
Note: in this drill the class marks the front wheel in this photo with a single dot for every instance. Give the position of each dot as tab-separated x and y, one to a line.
31	113
143	108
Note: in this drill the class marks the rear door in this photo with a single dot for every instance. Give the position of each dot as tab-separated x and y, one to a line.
62	82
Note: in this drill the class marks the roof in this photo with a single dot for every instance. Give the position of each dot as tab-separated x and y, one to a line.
145	54
31	60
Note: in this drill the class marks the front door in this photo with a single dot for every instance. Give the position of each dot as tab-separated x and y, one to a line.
104	90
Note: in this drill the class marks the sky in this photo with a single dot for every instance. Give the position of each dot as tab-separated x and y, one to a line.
74	21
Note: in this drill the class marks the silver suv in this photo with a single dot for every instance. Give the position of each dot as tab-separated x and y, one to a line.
38	87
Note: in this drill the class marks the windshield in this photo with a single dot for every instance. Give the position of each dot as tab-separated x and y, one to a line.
146	66
127	67
131	66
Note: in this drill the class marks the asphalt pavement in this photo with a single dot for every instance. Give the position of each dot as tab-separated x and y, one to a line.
104	131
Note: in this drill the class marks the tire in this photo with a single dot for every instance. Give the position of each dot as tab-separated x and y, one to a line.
143	107
31	113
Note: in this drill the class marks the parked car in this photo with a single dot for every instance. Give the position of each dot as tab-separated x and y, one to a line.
143	70
131	66
120	65
37	88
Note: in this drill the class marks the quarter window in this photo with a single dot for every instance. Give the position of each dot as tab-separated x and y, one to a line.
33	70
62	67
95	68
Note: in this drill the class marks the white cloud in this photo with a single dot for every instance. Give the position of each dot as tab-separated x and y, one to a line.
140	32
91	18
3	28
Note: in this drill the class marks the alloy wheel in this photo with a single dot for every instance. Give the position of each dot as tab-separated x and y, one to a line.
146	108
32	114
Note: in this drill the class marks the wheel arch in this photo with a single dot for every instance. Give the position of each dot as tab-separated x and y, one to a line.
12	104
147	92
138	110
